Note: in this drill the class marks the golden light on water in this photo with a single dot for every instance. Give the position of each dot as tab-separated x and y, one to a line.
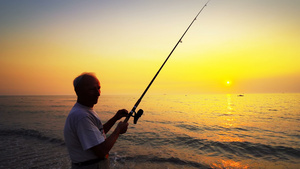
229	164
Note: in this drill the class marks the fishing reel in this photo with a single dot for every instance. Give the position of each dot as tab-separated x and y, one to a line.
137	115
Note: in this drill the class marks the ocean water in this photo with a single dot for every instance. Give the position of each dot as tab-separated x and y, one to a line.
176	131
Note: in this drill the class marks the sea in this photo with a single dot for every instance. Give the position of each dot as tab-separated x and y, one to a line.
175	132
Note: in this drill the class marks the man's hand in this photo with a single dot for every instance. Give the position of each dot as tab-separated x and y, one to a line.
122	127
121	113
101	150
108	125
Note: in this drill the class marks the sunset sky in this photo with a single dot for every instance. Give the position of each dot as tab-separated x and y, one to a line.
245	46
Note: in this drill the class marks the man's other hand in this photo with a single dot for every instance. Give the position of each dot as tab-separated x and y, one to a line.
122	127
121	113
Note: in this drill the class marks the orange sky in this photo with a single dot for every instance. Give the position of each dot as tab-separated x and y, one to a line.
255	45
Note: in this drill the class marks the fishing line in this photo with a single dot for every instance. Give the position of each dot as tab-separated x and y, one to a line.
140	112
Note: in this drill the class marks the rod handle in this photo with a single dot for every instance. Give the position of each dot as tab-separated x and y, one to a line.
129	114
127	118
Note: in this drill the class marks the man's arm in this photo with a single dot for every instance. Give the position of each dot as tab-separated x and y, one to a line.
101	150
108	125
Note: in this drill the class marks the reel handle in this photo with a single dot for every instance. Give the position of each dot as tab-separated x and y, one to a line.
136	116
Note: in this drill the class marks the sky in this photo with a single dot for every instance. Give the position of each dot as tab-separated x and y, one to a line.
245	46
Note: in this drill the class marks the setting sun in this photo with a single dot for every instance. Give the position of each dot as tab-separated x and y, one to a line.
228	83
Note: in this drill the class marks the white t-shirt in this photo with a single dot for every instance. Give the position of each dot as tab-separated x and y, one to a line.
83	130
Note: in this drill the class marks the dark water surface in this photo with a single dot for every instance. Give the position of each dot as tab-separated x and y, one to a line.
197	131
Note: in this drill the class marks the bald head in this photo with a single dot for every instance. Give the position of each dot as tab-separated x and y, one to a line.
80	80
87	88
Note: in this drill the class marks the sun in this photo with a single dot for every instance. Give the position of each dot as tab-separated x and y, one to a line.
228	83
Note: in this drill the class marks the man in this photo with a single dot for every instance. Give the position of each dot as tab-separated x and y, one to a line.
84	133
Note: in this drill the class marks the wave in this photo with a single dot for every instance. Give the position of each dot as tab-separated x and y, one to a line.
32	134
244	149
247	150
25	148
154	159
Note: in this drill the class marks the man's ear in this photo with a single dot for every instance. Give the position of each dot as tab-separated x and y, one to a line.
77	90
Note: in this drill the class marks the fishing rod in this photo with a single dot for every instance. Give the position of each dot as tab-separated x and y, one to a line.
140	112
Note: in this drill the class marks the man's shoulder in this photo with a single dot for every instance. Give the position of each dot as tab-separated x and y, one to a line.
79	112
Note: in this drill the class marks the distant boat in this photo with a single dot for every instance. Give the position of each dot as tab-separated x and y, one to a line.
240	95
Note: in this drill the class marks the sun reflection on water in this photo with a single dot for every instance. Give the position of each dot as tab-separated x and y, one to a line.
229	118
229	121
